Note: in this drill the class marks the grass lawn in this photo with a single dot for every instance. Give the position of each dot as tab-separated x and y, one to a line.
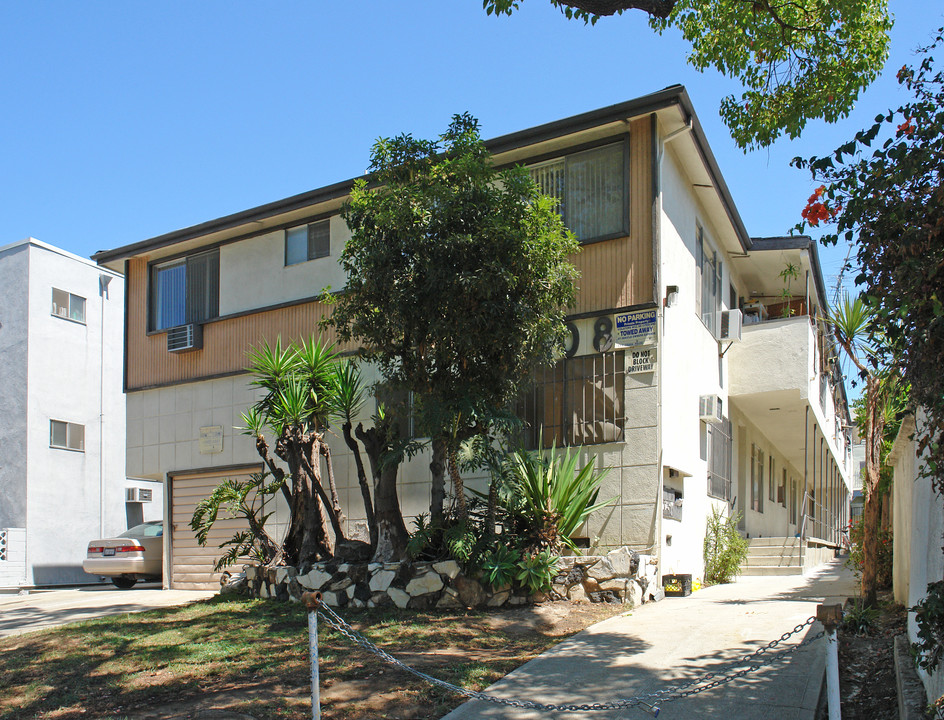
252	657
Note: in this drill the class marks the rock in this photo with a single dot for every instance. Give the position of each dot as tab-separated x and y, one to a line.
284	573
498	599
315	580
235	585
354	551
343	584
351	589
428	583
380	599
251	571
381	580
591	585
658	595
516	600
449	568
399	598
355	603
362	592
615	585
263	591
448	601
577	595
422	602
334	599
471	592
633	593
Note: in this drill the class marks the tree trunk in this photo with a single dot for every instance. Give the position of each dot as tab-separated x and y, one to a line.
362	481
458	486
313	470
874	430
335	501
391	531
437	468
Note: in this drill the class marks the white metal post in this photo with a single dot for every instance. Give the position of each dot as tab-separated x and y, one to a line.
831	616
312	601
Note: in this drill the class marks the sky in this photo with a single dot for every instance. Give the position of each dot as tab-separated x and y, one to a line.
123	121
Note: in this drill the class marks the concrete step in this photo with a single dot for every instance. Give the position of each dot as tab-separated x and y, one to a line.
774	541
773	550
767	561
757	571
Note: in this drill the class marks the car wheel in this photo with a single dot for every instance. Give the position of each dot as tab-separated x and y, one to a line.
123	582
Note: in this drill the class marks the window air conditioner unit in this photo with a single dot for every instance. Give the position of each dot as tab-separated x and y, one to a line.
729	327
145	495
709	408
131	494
185	338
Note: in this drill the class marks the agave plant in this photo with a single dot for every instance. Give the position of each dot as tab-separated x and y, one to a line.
556	495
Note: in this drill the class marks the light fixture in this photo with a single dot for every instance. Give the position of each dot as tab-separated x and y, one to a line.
671	295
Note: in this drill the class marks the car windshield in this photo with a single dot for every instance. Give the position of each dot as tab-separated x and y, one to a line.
148	529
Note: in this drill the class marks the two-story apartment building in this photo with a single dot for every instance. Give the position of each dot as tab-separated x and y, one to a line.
62	478
653	382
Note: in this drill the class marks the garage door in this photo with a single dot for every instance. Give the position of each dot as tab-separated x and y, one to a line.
192	565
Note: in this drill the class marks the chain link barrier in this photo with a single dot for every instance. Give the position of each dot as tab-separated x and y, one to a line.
751	662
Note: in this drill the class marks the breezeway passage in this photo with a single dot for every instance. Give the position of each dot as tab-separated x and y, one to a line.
49	608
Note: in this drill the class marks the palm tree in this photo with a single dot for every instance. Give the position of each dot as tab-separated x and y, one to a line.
852	322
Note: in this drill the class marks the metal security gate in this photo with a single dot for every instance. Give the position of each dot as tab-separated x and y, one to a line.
191	566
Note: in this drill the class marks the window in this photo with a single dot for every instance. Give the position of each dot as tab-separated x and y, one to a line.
307	242
793	501
782	490
757	478
67	305
772	488
591	189
707	282
66	435
719	459
577	401
185	291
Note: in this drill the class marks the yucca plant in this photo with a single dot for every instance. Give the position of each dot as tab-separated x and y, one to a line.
555	495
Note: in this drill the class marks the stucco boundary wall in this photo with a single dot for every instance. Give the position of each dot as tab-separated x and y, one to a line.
621	576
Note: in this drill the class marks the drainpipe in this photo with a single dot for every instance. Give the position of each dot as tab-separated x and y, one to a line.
103	282
806	456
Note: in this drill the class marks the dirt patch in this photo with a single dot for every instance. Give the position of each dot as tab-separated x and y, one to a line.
867	666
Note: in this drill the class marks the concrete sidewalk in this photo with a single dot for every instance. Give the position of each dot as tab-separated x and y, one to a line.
663	644
39	609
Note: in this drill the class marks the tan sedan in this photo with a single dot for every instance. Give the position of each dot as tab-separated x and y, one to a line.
136	554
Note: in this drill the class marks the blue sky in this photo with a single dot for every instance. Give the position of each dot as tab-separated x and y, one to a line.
122	121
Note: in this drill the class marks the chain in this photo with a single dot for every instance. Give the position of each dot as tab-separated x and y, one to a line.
749	663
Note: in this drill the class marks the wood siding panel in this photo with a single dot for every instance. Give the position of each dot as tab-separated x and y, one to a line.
613	274
226	342
619	273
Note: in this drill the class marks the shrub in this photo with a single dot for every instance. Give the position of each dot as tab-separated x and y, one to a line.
725	549
499	566
536	572
929	617
859	619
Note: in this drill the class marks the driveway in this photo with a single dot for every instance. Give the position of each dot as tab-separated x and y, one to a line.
48	608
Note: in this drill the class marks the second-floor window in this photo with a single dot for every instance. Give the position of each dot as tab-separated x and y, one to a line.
591	188
707	281
184	291
307	242
66	435
67	305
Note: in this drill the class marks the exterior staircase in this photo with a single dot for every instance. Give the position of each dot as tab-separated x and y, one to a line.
774	556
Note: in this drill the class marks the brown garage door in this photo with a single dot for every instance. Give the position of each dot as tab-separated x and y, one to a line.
192	565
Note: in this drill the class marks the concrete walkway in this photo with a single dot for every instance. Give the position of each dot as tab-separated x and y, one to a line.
48	608
662	644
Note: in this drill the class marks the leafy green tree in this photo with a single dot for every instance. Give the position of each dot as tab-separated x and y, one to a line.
888	201
796	59
458	280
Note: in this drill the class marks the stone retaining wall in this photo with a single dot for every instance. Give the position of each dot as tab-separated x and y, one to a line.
621	576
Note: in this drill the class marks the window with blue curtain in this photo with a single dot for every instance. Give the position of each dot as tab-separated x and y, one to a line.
185	291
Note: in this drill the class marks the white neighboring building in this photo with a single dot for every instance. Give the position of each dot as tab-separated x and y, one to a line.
62	478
